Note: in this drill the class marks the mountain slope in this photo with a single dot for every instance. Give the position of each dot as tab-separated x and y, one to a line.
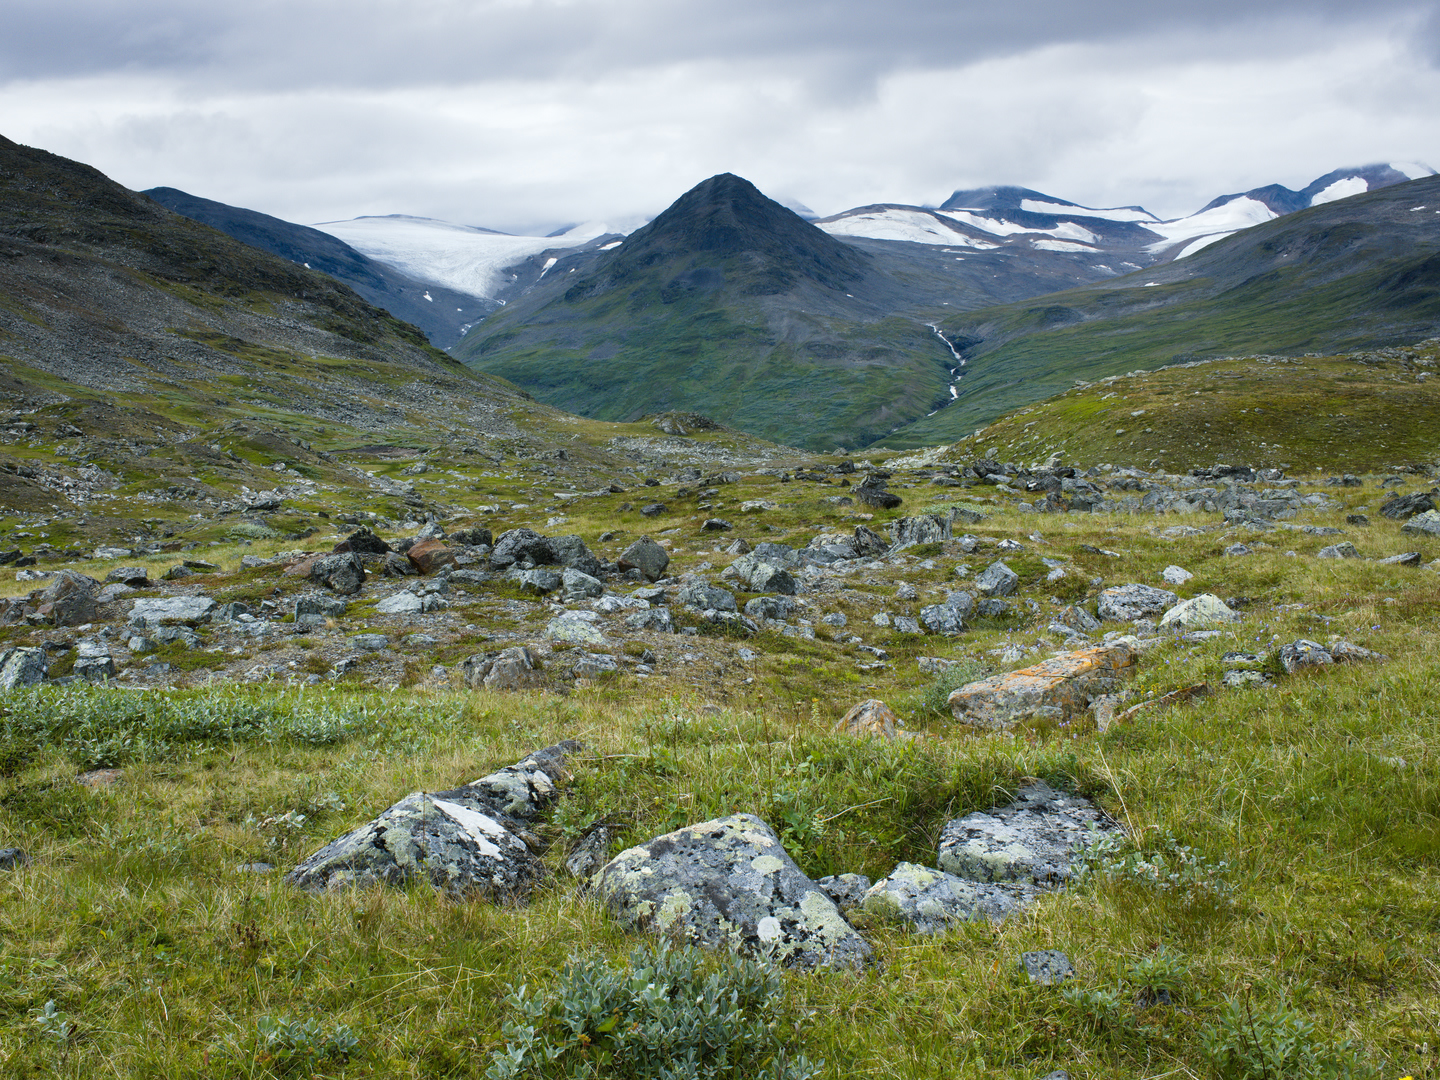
1356	273
442	313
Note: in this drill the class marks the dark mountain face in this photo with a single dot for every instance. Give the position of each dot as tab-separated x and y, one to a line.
104	288
724	231
442	313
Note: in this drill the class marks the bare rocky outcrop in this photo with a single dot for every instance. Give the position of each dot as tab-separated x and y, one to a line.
1058	688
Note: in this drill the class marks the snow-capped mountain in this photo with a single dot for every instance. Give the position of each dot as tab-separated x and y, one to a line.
1015	218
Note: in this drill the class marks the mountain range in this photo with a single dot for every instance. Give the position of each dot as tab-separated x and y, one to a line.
875	320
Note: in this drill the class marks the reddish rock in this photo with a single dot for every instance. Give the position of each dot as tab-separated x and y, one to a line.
1061	687
871	717
429	556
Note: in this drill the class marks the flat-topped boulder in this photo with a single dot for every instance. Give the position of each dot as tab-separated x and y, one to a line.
728	883
1058	688
171	611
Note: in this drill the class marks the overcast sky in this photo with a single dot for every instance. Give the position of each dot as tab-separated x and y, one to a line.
523	113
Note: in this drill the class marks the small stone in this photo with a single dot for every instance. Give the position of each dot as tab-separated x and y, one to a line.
1175	575
904	624
1237	549
370	642
578	583
1046	967
511	669
847	890
327	607
653	509
949	617
402	603
1244	680
1059	688
171	610
591	853
716	525
1126	603
1408	558
429	556
594	665
929	901
12	858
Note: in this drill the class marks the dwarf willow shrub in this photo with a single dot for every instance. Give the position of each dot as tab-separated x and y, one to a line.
676	1014
1275	1044
97	726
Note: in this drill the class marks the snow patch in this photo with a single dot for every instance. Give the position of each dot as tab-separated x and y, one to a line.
1059	245
1340	189
1413	169
913	226
1204	241
1227	218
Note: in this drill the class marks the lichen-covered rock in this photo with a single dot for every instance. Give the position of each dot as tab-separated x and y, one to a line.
847	890
93	661
539	581
24	666
1203	610
703	596
1032	840
471	840
1046	967
578	583
1343	550
1426	524
1126	603
343	574
1060	687
511	669
656	619
171	610
574	628
728	883
930	900
1078	619
401	603
921	529
519	546
1303	653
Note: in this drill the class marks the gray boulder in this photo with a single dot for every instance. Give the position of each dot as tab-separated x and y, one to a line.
137	577
1342	550
171	610
1302	654
69	600
1079	620
519	546
847	890
1407	558
574	628
928	901
1203	610
869	544
571	552
578	583
1126	603
1031	840
728	883
1400	507
949	617
921	529
997	579
657	620
510	669
402	603
769	607
769	578
467	841
93	661
343	574
703	596
593	665
540	581
1046	967
1426	524
646	556
22	667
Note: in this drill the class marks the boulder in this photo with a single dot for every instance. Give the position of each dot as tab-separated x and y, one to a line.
12	858
573	628
511	669
578	583
922	529
343	574
363	542
1046	967
571	552
872	718
1126	603
1400	507
69	600
429	556
929	901
402	603
1175	575
1031	840
997	579
653	509
591	853
646	556
593	665
467	841
656	620
949	617
330	607
716	525
703	596
1342	550
1203	610
24	666
1407	558
93	662
1058	688
171	610
1079	620
540	581
868	543
728	883
1302	654
1426	524
520	545
137	577
475	536
769	607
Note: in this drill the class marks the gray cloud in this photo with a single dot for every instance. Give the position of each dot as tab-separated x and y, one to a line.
528	113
